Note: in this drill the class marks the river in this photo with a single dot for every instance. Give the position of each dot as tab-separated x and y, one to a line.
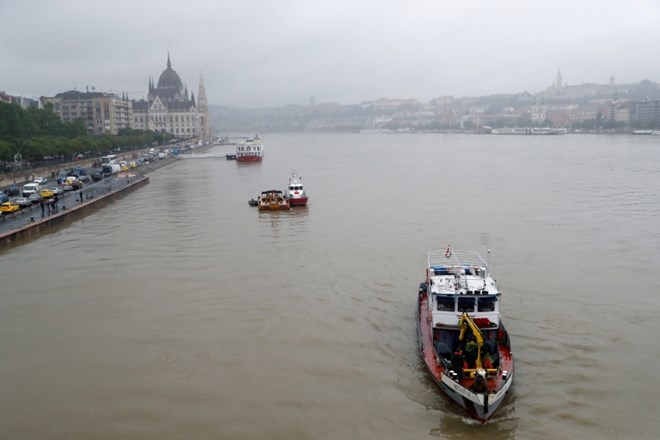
180	312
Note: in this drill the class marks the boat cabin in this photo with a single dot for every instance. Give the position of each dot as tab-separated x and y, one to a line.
295	187
459	282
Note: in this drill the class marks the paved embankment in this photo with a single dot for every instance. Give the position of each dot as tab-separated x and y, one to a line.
32	221
32	226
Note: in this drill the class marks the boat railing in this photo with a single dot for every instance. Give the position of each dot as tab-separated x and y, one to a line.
456	261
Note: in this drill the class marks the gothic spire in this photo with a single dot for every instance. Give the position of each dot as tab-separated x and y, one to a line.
203	109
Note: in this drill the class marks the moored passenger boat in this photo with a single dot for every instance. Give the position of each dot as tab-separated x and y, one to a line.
295	192
250	150
464	343
544	131
547	131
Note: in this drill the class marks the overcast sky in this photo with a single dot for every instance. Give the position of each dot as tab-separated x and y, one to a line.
263	53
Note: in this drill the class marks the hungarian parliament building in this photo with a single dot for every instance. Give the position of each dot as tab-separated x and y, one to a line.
169	107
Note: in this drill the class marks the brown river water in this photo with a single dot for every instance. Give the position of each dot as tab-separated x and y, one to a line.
180	312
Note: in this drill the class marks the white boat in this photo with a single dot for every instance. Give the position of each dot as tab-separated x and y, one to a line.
250	149
295	192
510	131
529	131
463	341
547	131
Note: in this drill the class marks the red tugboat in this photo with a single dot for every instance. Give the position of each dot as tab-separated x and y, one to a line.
462	337
250	150
295	192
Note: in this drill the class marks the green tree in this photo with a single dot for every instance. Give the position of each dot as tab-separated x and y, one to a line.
6	151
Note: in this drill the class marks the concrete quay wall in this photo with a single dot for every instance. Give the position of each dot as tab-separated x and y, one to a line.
65	216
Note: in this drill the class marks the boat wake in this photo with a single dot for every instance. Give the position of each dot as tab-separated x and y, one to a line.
202	156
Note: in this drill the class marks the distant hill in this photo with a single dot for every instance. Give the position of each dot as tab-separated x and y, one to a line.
439	114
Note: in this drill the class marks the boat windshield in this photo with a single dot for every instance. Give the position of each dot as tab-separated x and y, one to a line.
487	304
445	303
466	304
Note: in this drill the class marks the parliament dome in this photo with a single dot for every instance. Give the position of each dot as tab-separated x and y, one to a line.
169	82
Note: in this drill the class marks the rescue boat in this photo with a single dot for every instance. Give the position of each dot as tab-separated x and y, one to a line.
295	192
463	341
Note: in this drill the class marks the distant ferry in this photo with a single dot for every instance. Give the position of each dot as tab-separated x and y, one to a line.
250	150
529	131
548	131
645	132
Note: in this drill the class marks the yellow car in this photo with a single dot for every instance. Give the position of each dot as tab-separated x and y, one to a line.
47	193
8	207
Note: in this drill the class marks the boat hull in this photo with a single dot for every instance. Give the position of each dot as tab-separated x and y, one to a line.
253	158
479	406
300	201
274	207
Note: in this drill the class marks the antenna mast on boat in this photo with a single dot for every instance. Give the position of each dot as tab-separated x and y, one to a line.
485	238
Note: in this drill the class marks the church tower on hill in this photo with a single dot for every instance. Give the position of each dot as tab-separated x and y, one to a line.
170	108
558	81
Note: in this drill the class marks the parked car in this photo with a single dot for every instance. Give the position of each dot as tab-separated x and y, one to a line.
4	198
13	190
22	201
31	188
73	182
96	176
35	197
57	190
46	193
40	180
8	207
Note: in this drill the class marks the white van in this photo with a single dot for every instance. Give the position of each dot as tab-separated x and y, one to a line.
31	188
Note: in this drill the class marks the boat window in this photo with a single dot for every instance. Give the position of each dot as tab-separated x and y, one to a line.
445	303
466	304
487	304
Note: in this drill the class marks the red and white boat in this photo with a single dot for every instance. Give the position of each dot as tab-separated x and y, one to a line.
250	149
295	192
462	338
